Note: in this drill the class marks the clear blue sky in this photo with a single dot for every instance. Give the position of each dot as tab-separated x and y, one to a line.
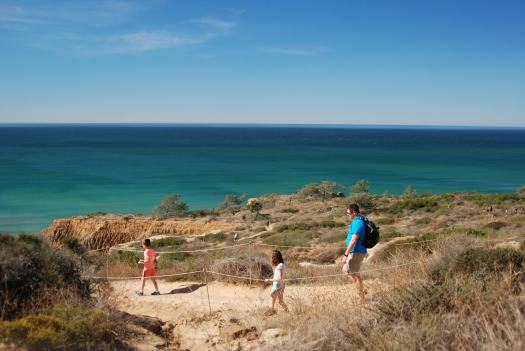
346	62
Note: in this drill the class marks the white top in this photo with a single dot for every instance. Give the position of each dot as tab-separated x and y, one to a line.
279	270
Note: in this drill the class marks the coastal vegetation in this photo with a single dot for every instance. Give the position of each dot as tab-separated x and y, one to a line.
465	292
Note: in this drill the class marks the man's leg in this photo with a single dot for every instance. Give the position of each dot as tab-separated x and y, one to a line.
357	279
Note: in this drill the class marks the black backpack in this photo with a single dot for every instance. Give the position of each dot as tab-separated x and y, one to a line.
371	234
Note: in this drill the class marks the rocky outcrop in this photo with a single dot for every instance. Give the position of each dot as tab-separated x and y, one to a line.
97	232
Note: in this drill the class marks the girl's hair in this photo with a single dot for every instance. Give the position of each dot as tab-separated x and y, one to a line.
277	258
147	242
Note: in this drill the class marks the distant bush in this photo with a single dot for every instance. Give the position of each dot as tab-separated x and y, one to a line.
409	192
385	221
291	238
491	199
321	190
221	236
29	268
203	213
495	225
361	196
428	204
289	210
422	220
475	232
330	223
171	206
168	241
361	186
293	226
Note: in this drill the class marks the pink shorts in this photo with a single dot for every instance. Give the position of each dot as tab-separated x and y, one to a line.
149	273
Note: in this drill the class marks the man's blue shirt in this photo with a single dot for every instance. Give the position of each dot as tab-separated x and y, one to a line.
358	227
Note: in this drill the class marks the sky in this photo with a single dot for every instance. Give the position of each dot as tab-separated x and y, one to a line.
301	62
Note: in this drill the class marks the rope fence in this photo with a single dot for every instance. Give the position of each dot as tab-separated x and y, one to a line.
255	279
120	250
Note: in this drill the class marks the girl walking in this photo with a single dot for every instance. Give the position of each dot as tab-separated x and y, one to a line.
278	285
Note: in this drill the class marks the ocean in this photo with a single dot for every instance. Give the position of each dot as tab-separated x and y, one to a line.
55	171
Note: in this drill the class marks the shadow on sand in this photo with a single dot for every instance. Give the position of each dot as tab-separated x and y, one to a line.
185	289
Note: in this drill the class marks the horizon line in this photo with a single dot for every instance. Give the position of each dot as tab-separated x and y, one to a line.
255	125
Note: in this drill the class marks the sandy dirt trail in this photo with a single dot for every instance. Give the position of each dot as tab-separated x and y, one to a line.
234	307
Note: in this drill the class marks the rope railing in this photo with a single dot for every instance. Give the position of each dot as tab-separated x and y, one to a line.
256	279
281	246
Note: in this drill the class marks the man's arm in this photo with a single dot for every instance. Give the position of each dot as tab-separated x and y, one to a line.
353	242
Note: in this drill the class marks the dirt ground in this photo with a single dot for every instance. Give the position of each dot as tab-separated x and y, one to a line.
237	310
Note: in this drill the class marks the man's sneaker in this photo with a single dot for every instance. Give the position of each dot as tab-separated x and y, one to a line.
140	293
155	293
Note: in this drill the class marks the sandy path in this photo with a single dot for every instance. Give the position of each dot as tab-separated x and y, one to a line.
234	307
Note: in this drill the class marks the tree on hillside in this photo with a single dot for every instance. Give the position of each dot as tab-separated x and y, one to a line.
361	186
232	202
171	206
361	196
319	190
409	192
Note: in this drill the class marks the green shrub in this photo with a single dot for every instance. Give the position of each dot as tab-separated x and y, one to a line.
129	257
293	226
423	220
290	238
40	332
29	268
333	237
365	201
61	327
203	213
330	223
318	190
428	204
74	245
168	241
483	263
171	206
385	221
289	210
495	225
221	236
491	199
475	232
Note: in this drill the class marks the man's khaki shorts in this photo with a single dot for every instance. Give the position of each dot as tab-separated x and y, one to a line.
353	263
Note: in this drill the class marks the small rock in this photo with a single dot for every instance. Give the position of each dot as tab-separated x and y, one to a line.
271	333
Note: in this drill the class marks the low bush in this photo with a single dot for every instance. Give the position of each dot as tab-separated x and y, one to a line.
416	203
482	264
293	226
60	328
168	241
291	238
423	220
30	267
289	210
385	221
221	236
330	223
256	266
495	225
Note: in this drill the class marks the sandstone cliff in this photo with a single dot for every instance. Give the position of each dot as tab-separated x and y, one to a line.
108	230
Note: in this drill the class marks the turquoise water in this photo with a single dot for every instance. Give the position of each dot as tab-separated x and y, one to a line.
49	172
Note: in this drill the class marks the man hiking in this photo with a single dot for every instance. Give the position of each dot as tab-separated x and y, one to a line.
355	251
